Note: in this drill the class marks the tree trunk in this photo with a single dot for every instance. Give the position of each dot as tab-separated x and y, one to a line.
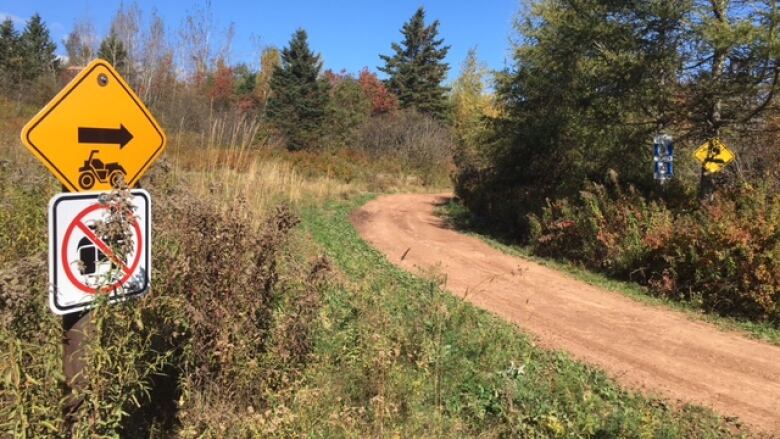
707	183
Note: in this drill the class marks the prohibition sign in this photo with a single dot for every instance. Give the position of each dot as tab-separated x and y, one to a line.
128	270
82	263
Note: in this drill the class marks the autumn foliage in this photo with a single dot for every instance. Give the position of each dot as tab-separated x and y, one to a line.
382	100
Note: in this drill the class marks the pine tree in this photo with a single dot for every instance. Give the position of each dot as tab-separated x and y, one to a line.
113	51
298	101
416	69
10	54
38	49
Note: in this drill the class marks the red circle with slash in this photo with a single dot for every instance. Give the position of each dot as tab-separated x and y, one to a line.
78	223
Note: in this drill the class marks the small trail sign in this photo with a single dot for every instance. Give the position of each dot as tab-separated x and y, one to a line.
714	155
663	158
95	132
82	263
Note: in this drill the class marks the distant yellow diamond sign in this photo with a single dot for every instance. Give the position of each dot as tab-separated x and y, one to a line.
713	155
95	132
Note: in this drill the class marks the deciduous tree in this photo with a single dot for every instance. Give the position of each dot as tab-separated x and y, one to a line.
382	100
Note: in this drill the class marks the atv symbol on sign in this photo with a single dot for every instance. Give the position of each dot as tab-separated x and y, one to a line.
94	169
92	263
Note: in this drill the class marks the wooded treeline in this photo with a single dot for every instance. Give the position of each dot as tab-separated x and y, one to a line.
566	162
203	98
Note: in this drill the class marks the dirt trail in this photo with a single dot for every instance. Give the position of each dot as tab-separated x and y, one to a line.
655	350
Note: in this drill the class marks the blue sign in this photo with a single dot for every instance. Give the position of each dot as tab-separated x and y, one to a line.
663	157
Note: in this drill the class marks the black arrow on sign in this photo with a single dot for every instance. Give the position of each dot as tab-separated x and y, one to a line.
113	136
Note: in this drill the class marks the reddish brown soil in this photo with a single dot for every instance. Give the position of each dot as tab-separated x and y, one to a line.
658	351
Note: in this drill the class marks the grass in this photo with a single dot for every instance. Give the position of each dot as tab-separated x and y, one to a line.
457	216
398	356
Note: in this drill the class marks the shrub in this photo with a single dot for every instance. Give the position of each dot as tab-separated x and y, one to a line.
726	256
420	142
204	350
723	256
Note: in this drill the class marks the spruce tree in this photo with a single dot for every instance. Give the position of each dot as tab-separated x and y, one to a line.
37	49
113	51
10	51
416	69
299	98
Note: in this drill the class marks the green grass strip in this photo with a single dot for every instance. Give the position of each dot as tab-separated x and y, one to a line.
398	356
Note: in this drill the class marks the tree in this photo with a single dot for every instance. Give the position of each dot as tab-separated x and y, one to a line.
382	100
221	86
348	108
113	50
81	43
37	50
270	59
10	55
470	105
416	69
125	27
592	81
298	101
733	60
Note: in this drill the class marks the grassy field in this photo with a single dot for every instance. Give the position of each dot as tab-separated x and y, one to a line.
459	217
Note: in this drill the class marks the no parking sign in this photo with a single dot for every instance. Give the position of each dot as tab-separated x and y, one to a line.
83	264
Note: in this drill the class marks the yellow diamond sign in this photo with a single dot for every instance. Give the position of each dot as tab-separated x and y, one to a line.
714	155
95	132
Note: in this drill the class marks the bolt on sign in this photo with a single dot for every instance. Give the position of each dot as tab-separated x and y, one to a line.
714	155
95	132
83	261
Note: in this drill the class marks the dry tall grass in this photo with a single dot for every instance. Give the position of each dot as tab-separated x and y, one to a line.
238	173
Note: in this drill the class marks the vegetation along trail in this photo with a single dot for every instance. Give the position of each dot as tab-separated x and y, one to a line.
656	350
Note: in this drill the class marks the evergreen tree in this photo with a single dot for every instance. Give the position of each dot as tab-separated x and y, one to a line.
348	108
416	68
10	54
113	50
298	101
593	80
38	49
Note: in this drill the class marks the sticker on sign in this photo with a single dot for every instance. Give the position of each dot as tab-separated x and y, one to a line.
82	261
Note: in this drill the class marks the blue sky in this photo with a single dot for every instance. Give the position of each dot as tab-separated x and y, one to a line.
349	34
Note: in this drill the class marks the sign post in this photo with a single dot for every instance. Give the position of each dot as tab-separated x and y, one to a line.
95	134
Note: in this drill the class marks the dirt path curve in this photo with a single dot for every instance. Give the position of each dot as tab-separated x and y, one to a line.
655	350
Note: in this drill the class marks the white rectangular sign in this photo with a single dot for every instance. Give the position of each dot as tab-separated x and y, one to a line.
82	264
